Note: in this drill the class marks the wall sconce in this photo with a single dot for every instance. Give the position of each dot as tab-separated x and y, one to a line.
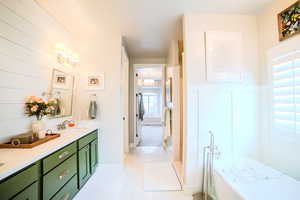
65	56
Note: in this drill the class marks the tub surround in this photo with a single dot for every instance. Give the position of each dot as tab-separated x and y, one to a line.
17	159
250	179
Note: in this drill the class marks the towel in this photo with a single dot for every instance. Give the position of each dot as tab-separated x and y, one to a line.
93	110
57	110
167	127
141	107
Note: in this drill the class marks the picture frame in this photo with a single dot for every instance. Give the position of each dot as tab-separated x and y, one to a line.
289	21
61	80
224	56
95	81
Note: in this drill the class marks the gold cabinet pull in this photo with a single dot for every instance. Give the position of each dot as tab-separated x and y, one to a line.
65	197
63	174
62	155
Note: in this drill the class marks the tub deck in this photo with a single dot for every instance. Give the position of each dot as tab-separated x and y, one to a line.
252	180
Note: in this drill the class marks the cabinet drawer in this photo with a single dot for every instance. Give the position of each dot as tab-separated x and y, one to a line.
87	139
68	191
30	193
15	184
60	175
58	157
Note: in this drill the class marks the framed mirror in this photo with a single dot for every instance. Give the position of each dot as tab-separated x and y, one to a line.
62	93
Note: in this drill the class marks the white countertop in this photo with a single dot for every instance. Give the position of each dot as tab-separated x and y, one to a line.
17	159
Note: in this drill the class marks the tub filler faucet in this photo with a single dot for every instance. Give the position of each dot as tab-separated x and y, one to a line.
210	153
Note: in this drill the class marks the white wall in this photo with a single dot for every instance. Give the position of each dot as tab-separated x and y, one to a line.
103	54
27	39
28	35
279	153
209	106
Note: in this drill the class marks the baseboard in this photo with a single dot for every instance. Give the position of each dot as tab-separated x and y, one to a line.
191	190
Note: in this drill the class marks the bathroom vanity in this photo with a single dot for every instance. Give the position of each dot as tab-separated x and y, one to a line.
56	170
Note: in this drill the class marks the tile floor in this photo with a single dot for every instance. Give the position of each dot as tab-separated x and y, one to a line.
125	182
151	136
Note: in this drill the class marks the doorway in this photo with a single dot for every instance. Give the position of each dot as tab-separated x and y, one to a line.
149	104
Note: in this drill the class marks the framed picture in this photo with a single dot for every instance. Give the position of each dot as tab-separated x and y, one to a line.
61	80
95	81
224	56
289	21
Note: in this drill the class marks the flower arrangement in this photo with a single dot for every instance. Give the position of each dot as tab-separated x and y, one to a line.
38	107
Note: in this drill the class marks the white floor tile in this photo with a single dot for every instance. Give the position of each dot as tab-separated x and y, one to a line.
125	182
160	177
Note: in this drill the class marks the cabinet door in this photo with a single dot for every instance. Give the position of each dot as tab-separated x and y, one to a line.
84	165
94	155
30	193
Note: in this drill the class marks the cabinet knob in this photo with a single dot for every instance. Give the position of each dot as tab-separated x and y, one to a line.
63	174
65	197
62	155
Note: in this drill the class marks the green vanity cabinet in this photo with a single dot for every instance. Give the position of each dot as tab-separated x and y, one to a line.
55	179
29	193
94	155
84	165
58	157
58	176
68	191
87	157
18	182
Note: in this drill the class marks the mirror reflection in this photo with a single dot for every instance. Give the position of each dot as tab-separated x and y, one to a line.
61	93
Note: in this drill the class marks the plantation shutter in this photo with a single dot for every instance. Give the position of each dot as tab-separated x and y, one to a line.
286	93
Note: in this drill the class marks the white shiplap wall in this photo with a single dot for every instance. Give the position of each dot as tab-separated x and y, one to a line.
27	37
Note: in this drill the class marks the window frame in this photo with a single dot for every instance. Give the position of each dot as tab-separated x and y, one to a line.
286	49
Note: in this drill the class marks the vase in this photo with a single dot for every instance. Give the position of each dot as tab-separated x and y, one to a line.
37	126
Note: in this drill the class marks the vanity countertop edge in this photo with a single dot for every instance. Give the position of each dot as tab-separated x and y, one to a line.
17	159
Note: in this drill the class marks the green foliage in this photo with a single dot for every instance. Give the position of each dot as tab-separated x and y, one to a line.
35	106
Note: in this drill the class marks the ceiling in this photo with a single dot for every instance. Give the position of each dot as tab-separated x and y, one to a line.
148	26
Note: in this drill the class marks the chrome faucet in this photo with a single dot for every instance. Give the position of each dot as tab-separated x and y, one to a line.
210	154
63	125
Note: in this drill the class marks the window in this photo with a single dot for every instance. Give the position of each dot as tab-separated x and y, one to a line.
286	93
152	104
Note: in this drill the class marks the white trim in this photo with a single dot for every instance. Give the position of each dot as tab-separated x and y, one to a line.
288	47
125	101
135	66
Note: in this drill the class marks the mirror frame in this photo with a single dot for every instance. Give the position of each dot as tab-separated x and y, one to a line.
71	89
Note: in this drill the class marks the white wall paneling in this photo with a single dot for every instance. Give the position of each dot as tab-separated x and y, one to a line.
27	37
194	28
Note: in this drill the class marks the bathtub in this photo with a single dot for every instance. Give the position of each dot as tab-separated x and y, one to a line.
251	180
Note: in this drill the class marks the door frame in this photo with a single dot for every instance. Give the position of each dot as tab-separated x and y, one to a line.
125	97
135	66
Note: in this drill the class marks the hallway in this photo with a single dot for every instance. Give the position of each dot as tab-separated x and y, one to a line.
151	136
115	182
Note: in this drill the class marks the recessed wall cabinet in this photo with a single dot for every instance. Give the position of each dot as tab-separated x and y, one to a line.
58	176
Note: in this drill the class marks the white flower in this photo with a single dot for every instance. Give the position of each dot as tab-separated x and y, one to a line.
34	108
